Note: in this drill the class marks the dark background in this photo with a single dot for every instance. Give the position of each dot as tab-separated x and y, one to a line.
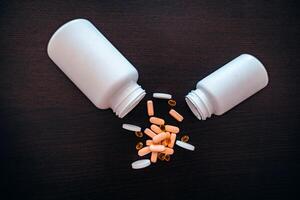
56	145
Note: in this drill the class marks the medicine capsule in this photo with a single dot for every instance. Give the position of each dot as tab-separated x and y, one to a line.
185	138
150	108
139	145
172	102
150	133
161	156
157	121
153	157
139	134
176	115
172	140
144	151
149	142
168	151
172	129
155	128
167	157
158	138
157	148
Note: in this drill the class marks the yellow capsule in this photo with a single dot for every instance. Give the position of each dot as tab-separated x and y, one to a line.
185	138
139	134
139	145
172	102
161	156
167	157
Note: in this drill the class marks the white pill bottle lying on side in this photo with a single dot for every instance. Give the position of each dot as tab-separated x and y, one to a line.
227	87
95	66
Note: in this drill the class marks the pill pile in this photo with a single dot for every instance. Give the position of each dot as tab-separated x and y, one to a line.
162	136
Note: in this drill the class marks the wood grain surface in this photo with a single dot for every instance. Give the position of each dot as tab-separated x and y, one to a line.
56	145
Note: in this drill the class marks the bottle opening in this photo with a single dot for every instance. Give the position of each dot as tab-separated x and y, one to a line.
128	99
199	104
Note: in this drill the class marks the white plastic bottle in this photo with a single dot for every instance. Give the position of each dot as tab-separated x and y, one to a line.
227	87
96	67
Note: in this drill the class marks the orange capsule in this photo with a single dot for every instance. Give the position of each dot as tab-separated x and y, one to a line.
172	129
157	148
153	157
150	108
157	121
168	151
149	142
150	133
158	138
172	140
176	115
144	151
155	128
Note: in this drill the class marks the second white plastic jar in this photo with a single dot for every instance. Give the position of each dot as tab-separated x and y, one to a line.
227	87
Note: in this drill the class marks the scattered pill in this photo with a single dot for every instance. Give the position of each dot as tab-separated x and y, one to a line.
185	145
149	142
162	96
158	138
172	129
172	140
161	156
139	164
176	115
172	102
168	151
150	133
139	134
131	127
155	129
157	148
153	157
139	145
157	121
150	108
167	157
144	151
185	138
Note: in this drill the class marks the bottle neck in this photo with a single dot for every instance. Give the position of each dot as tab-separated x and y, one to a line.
125	99
200	104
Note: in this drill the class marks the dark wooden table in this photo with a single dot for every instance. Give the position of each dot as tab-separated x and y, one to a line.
56	145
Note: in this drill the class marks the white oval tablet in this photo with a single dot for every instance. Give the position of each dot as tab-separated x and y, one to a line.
131	127
139	164
185	145
162	96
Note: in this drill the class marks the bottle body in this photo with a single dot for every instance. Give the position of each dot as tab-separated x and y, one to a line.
227	87
95	66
